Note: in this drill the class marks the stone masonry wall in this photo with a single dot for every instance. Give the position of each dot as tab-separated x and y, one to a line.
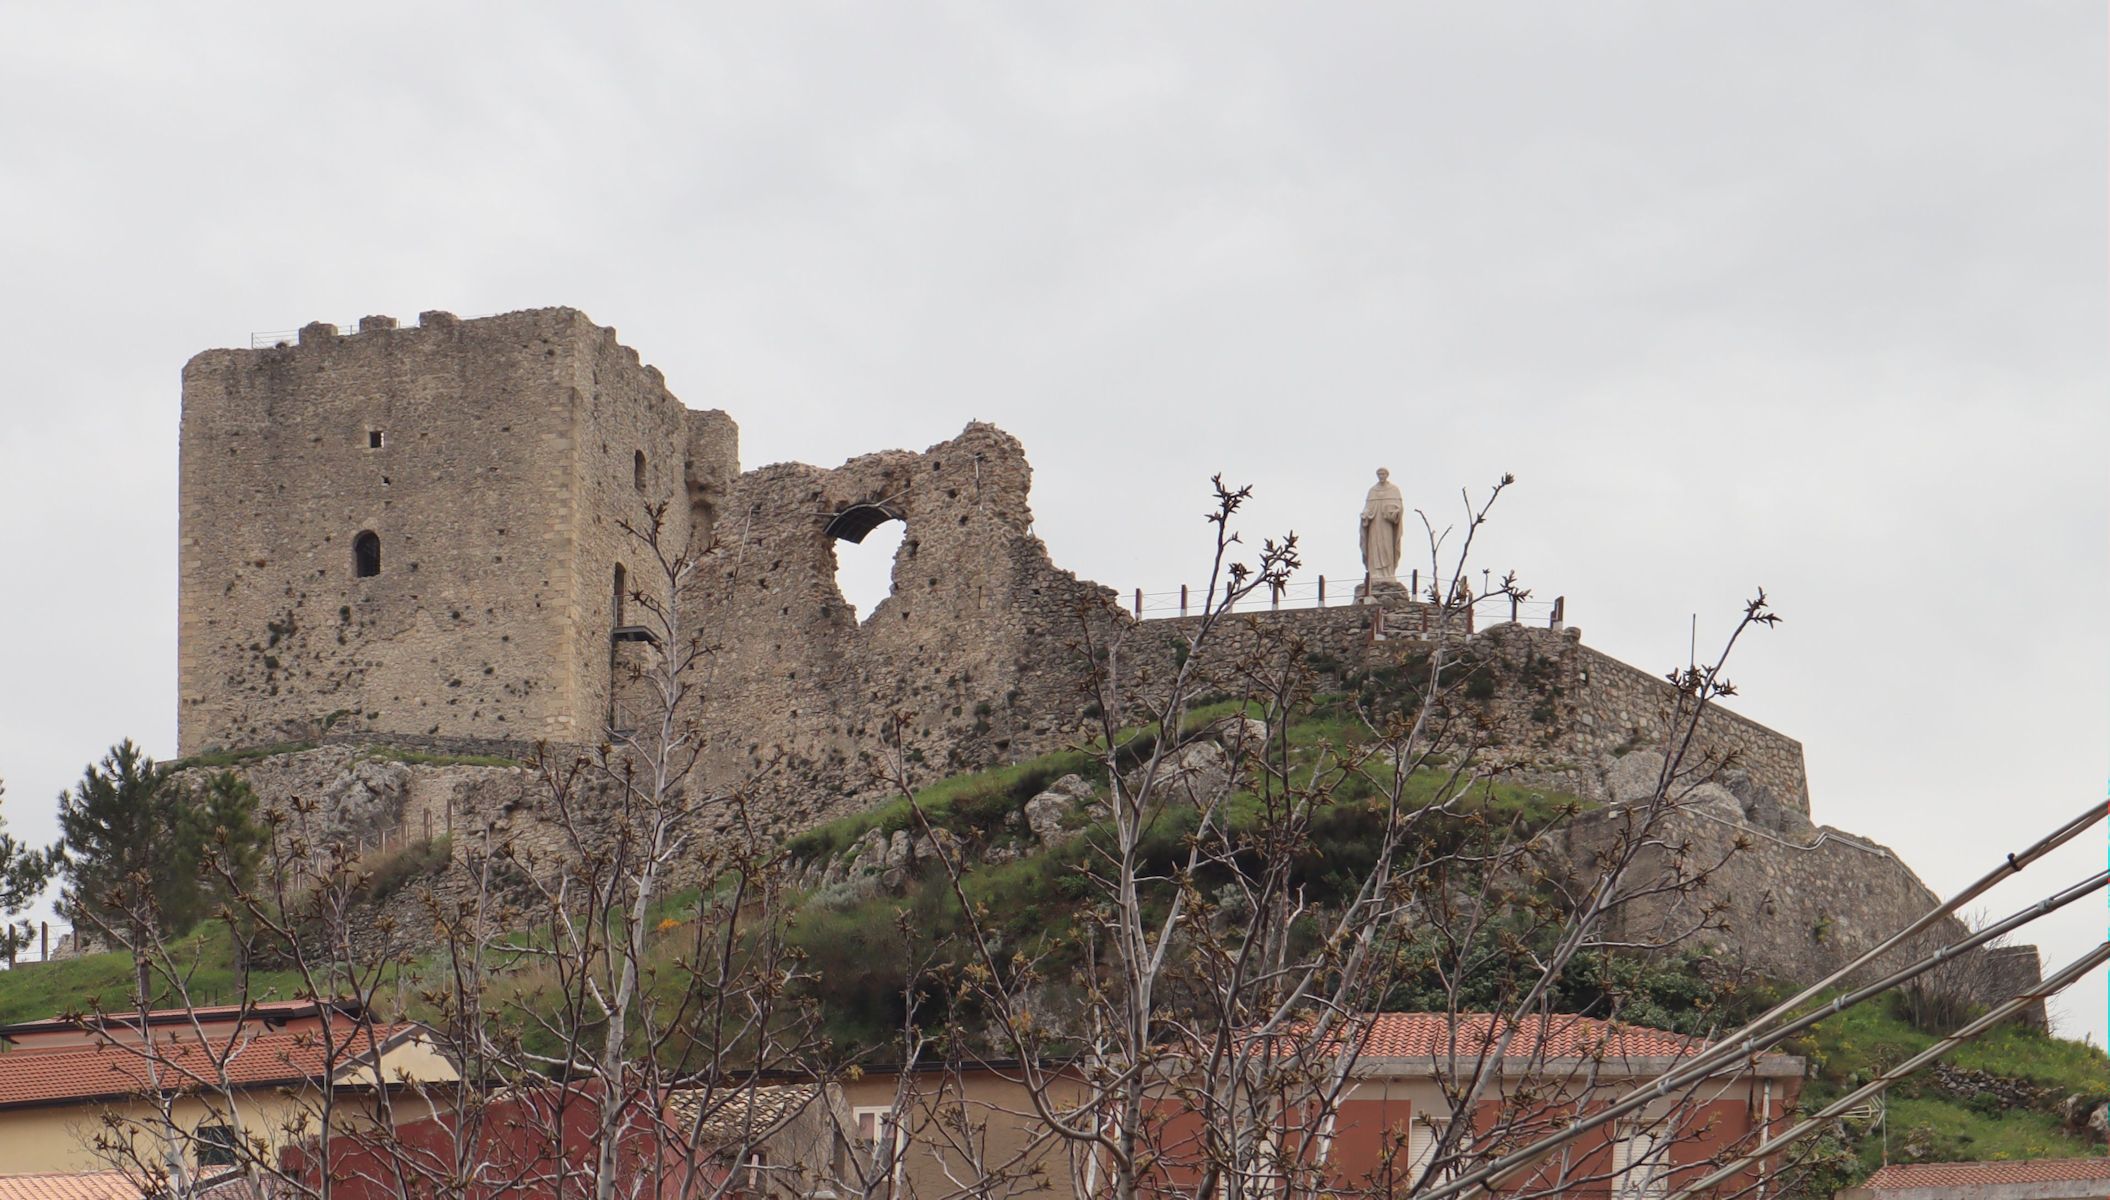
498	459
966	662
466	491
1798	905
1563	706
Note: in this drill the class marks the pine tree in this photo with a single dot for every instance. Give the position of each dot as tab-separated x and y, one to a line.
24	870
220	822
130	858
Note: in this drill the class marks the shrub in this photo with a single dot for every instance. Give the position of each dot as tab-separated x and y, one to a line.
389	873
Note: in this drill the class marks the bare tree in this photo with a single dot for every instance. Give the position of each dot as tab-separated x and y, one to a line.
608	982
1198	1034
1281	854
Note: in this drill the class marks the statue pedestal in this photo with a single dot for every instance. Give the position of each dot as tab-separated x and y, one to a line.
1388	592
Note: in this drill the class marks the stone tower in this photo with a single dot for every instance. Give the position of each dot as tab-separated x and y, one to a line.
415	531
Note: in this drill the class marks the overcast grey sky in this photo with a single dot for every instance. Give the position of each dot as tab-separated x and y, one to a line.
1803	296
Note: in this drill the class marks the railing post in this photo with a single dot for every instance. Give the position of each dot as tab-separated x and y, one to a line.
1512	608
1183	599
1415	586
1322	591
1274	595
1139	603
1560	605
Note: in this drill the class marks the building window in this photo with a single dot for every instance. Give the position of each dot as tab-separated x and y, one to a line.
1424	1139
637	470
620	592
215	1145
1639	1171
366	554
373	439
878	1149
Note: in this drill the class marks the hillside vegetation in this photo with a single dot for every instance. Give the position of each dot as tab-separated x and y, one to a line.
869	957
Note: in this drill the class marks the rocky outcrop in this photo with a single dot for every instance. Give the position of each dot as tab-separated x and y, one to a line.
1056	815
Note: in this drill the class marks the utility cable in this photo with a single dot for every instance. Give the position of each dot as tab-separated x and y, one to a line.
1881	1083
1755	1034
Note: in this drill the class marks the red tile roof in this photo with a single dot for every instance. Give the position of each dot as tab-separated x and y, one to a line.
259	1010
83	1185
1470	1035
259	1057
1900	1176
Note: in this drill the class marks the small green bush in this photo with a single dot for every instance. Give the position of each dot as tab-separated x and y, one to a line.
390	873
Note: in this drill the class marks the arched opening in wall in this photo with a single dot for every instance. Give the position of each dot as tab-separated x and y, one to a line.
620	591
868	539
366	554
637	470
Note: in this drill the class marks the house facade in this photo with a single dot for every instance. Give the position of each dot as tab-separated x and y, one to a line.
192	1090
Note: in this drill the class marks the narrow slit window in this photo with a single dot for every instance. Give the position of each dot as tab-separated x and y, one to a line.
619	590
373	439
366	554
637	470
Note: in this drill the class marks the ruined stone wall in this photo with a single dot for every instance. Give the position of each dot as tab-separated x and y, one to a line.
1798	904
1548	701
511	452
966	663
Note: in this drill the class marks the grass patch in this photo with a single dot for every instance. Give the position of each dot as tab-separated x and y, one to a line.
970	805
1954	1132
34	991
226	758
1928	1123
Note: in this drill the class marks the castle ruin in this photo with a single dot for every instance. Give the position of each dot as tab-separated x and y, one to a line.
417	537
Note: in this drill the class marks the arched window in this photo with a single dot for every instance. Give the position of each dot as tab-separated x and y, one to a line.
637	470
620	589
366	554
866	576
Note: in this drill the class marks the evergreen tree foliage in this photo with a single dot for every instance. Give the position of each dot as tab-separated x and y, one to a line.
24	870
143	856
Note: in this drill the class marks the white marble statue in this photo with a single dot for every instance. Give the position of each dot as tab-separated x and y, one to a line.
1384	517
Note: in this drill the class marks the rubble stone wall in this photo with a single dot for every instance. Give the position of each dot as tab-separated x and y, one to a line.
483	455
1798	905
1562	706
498	460
972	658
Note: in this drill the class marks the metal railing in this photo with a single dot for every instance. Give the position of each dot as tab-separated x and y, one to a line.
1337	592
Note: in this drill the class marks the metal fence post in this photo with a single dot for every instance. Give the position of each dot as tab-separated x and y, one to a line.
1139	602
1183	599
1322	591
